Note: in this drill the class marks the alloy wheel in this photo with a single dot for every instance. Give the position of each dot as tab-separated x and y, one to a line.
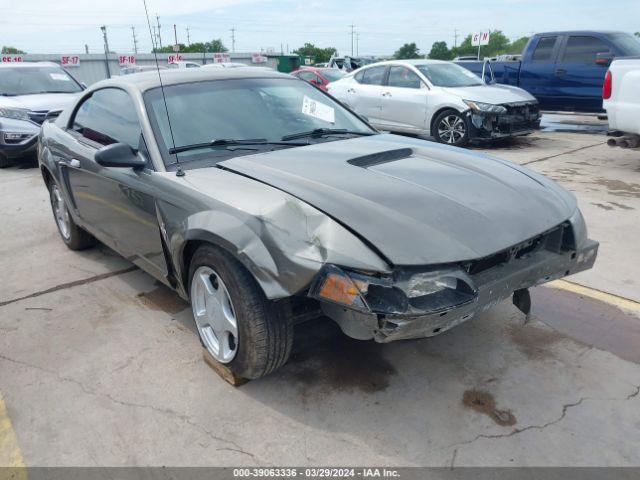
452	129
61	212
214	314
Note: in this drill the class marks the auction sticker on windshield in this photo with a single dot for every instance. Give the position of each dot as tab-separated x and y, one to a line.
59	76
318	110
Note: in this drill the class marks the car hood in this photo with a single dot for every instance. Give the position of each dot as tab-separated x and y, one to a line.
495	94
414	201
40	101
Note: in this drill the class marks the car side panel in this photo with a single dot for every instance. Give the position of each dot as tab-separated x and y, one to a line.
280	239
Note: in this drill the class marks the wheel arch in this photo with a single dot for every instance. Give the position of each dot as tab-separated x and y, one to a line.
47	176
258	268
438	112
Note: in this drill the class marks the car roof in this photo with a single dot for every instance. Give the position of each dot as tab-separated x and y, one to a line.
29	64
579	32
147	80
413	61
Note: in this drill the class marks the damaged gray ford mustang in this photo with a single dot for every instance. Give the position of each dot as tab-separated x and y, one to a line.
263	202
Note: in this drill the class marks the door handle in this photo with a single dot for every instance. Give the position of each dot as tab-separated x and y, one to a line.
350	90
560	72
386	94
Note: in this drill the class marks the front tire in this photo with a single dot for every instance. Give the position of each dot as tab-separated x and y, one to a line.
452	128
73	236
237	325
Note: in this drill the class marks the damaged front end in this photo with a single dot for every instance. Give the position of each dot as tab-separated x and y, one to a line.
416	302
489	122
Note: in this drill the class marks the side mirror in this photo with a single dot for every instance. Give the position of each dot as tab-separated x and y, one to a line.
604	59
119	155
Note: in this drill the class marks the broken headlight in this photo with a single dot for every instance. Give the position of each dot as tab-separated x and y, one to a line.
410	293
485	107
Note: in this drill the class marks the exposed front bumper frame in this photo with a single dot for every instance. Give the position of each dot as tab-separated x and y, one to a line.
492	126
494	286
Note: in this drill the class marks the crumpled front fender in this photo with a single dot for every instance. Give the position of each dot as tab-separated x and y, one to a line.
280	239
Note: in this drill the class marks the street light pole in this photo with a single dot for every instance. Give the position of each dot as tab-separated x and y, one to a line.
106	50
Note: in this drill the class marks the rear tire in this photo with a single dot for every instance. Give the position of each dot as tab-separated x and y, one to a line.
451	128
73	236
237	324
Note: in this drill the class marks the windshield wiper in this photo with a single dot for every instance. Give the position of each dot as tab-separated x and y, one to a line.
229	142
319	132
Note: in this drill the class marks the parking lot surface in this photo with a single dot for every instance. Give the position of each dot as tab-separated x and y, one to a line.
100	365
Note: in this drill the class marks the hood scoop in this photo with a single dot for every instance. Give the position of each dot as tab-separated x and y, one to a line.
381	157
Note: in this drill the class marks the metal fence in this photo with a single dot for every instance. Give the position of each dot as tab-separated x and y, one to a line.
93	67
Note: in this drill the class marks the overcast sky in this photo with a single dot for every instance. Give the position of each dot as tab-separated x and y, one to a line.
65	26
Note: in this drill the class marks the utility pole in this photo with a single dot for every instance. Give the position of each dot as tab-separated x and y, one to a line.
188	37
357	44
455	38
159	35
135	40
175	35
106	50
352	33
233	39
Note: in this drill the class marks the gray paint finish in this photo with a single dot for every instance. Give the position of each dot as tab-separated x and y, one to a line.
439	205
372	205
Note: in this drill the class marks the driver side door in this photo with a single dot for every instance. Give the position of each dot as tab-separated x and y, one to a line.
117	205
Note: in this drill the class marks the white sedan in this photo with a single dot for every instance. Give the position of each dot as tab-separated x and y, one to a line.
437	98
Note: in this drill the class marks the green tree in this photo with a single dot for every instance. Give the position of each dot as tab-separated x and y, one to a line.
321	55
498	44
637	34
214	46
440	51
406	51
517	46
12	50
465	48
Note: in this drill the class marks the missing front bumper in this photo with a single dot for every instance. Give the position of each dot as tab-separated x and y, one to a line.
491	126
493	286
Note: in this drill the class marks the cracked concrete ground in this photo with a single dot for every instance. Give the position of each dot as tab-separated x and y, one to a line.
99	365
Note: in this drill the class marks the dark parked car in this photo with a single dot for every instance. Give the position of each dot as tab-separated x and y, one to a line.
563	70
320	77
260	199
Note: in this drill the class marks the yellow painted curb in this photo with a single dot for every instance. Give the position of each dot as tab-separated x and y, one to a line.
611	299
10	454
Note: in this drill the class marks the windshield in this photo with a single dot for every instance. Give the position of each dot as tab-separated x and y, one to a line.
257	108
627	43
449	75
332	74
30	80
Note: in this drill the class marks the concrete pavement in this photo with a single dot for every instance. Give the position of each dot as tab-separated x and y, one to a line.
100	365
